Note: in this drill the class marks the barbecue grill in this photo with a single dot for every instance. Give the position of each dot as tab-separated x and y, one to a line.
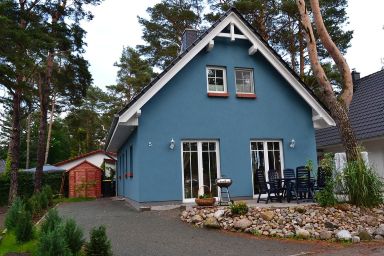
224	184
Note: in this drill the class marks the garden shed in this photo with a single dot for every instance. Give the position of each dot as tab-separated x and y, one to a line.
85	180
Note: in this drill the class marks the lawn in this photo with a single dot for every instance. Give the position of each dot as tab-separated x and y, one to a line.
9	244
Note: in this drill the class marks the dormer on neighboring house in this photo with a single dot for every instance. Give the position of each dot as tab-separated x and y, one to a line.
228	105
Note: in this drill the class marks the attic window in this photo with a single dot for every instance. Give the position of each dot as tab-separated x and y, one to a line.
244	82
216	81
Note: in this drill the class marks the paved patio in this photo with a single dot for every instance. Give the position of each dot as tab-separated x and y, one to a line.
162	233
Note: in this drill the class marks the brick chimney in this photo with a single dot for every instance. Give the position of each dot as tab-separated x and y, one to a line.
189	36
355	76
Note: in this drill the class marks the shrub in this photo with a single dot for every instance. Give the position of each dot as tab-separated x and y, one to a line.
53	243
326	197
43	200
14	213
34	205
240	208
73	236
362	185
99	243
51	222
24	227
47	190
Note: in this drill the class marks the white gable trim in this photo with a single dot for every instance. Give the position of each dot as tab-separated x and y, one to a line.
232	19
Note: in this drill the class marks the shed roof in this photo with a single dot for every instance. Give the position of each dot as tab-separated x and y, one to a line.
85	162
366	112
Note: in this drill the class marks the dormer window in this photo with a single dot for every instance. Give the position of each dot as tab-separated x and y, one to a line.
245	87
217	81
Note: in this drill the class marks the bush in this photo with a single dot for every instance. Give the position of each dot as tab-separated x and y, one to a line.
99	243
73	236
47	191
239	208
14	213
34	205
326	197
53	243
362	185
24	227
43	200
52	221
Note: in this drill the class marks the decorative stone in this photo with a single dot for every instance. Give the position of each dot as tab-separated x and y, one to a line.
197	218
343	235
325	235
372	221
211	222
379	230
343	207
242	224
378	237
300	209
267	215
330	225
218	214
364	235
355	239
302	233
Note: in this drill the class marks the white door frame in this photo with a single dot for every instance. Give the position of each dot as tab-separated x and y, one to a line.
200	165
266	160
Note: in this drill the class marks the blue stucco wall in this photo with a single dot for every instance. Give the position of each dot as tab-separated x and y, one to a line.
182	110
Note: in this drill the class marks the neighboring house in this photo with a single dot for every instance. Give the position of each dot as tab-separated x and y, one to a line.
366	113
2	166
228	105
97	157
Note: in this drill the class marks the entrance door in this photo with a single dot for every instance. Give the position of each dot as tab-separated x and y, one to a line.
201	168
265	156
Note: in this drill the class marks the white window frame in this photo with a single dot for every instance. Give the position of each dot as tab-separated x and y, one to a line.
252	80
200	165
224	78
266	160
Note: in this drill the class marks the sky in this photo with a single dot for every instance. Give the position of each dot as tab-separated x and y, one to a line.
115	25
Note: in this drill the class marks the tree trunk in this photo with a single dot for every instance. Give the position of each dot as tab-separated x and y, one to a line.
301	53
50	128
14	146
323	89
28	140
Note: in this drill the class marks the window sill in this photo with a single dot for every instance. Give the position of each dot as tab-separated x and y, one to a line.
246	95
218	94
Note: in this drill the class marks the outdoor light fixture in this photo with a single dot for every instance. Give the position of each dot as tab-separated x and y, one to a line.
172	144
292	143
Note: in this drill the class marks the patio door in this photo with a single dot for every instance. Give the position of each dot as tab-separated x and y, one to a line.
201	168
265	156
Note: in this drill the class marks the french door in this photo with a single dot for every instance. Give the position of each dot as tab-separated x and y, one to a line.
201	167
265	156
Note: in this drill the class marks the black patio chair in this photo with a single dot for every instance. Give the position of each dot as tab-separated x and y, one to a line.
289	175
322	177
264	189
303	186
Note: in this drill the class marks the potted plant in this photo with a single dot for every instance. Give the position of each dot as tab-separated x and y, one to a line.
206	199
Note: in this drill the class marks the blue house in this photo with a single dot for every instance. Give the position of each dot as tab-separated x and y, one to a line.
227	106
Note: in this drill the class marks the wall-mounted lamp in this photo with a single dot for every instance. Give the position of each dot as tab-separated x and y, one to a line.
172	144
292	143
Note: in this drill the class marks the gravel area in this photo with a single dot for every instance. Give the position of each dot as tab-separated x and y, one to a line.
162	233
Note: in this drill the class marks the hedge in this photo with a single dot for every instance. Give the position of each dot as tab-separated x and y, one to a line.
26	184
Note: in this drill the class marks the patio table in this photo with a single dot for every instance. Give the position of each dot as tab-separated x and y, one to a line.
289	182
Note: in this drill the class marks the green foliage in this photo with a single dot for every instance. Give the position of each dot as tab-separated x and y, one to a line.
327	162
362	185
52	221
99	243
73	236
53	243
239	208
14	213
24	227
326	197
43	199
10	245
47	191
34	205
309	165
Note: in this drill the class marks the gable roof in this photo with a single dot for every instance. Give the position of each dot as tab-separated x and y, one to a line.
99	151
127	119
366	112
85	162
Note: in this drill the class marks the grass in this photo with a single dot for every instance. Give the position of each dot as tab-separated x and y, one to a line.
9	244
71	200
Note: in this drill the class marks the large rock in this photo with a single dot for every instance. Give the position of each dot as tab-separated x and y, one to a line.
197	218
211	222
364	235
330	225
343	235
267	215
218	214
325	235
355	239
242	224
378	237
379	230
302	233
371	221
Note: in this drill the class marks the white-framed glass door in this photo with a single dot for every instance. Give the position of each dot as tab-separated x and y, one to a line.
200	168
266	155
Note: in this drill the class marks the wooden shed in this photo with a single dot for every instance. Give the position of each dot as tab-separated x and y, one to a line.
85	180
